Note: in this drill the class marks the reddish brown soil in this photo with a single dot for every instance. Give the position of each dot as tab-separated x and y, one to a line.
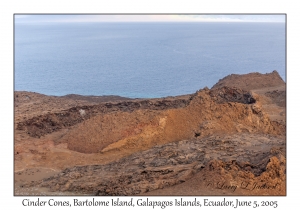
233	159
230	134
251	81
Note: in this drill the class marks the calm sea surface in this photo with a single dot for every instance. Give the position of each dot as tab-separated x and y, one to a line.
141	60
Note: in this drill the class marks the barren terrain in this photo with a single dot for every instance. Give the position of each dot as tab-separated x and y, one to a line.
227	140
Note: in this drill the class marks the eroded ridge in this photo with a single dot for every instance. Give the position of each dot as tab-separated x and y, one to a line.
48	123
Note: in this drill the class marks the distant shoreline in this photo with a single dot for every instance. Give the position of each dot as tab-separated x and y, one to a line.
254	80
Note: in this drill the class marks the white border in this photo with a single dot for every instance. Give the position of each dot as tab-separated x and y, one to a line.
8	8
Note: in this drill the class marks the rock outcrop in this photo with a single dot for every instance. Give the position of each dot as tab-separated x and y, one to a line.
175	163
224	110
251	81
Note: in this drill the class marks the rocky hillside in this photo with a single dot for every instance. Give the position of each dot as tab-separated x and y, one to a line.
233	133
224	110
237	156
251	81
143	124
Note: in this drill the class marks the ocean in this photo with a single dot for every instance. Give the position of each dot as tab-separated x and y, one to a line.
142	60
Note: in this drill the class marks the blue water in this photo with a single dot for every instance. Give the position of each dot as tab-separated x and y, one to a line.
141	60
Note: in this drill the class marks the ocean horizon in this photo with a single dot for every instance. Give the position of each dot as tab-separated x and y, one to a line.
142	60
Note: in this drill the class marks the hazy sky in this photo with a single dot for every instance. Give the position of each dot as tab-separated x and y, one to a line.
147	18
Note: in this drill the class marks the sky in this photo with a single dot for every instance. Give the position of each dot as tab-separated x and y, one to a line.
56	18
